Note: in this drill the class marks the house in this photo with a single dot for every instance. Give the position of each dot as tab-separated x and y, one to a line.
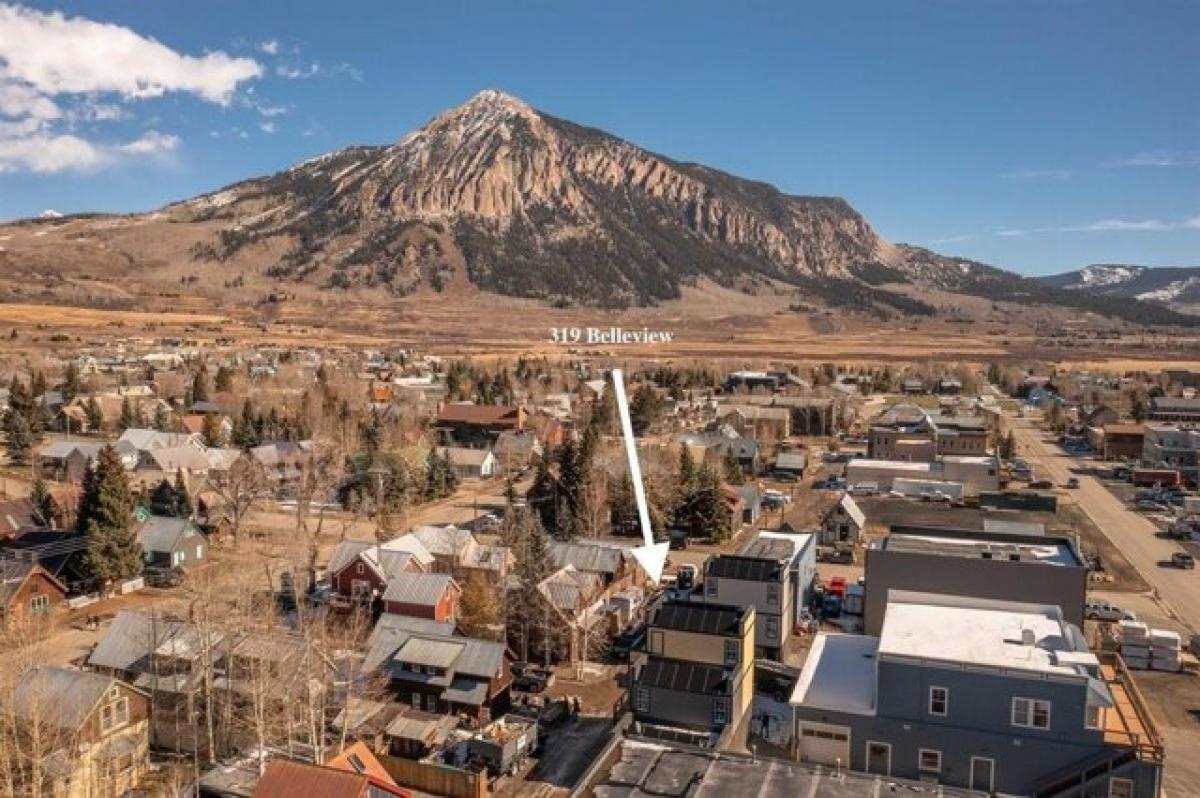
698	672
193	424
573	599
757	422
169	542
763	576
284	778
987	564
789	466
27	591
614	565
457	552
998	697
714	447
843	523
94	730
421	595
283	463
469	424
470	463
1122	441
969	475
516	450
752	381
431	668
1098	415
359	570
143	441
68	461
913	386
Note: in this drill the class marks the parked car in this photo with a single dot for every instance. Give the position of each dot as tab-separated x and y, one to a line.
1149	506
864	489
1181	559
163	577
1041	484
1106	611
1073	482
530	678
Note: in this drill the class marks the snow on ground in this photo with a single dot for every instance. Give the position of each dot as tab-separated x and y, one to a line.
771	721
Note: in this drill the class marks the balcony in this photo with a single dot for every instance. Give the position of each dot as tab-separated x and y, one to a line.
1129	724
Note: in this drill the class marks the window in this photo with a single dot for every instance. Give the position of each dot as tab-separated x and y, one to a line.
641	699
416	700
772	628
1120	788
1031	713
939	701
732	652
710	587
656	642
357	763
929	761
39	603
1094	719
720	713
358	568
773	595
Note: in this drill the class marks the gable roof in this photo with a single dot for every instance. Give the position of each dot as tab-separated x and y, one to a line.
287	779
423	589
468	413
13	574
478	658
67	696
145	440
588	557
132	637
162	533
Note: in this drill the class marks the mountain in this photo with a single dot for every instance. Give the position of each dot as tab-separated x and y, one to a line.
1177	287
496	196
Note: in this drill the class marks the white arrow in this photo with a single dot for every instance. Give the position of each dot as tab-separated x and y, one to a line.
651	556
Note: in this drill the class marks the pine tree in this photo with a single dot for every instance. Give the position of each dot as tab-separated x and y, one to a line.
623	514
70	382
95	418
183	500
200	385
644	409
162	419
106	517
127	419
543	492
687	470
20	439
732	468
45	509
705	513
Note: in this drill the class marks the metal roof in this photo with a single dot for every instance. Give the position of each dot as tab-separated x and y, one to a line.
162	533
61	696
587	557
130	639
746	568
431	652
407	587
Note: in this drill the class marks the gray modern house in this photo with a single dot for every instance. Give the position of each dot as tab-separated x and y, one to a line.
1039	569
773	574
697	675
999	697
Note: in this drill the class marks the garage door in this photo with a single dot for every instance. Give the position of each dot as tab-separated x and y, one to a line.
823	744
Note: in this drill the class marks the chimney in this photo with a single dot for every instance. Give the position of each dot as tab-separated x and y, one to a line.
1028	638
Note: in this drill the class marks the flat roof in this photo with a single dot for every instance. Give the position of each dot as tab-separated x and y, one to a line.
1006	635
1049	551
891	465
839	674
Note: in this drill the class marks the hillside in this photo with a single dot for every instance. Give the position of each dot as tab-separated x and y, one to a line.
495	196
1176	287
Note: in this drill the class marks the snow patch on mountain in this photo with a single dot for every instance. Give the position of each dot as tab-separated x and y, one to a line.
1104	276
1170	291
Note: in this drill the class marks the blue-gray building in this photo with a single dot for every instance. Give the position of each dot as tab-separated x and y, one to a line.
996	696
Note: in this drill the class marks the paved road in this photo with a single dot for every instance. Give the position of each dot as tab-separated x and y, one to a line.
1129	531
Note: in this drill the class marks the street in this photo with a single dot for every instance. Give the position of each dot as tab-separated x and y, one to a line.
1132	533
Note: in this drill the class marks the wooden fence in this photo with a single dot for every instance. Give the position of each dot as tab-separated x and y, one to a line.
436	779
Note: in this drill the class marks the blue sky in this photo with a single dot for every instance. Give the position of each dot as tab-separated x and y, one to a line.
1037	136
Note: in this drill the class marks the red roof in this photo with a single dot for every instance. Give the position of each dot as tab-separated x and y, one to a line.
287	779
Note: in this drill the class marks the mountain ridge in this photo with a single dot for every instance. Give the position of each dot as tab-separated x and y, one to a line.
496	196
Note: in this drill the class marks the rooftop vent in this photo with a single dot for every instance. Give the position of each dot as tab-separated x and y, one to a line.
1028	638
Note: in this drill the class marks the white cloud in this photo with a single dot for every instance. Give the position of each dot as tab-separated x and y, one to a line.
48	154
1159	159
1037	174
1105	226
55	54
151	143
17	100
270	47
266	127
1192	224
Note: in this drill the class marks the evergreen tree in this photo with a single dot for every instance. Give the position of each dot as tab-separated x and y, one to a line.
20	439
46	511
604	412
705	513
224	380
732	468
687	470
200	385
105	516
245	429
127	420
95	418
70	382
162	418
623	514
644	409
543	492
37	385
183	499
